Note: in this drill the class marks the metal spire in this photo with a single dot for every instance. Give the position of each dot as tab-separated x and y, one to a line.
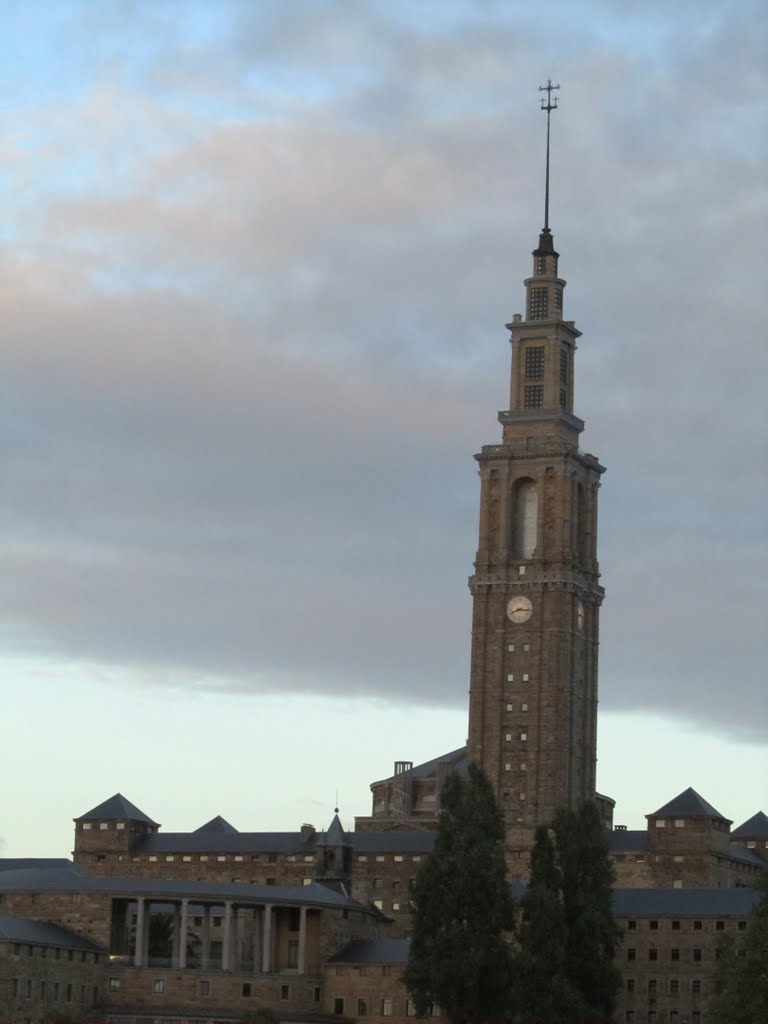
549	106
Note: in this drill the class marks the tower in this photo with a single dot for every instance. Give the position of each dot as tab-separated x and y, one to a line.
535	590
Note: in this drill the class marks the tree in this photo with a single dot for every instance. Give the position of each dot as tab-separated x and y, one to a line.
460	958
565	964
741	977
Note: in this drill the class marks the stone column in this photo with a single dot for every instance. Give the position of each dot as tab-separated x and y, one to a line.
142	921
302	964
205	950
226	946
183	921
266	945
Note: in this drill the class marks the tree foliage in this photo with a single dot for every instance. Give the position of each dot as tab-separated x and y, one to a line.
565	966
460	959
741	978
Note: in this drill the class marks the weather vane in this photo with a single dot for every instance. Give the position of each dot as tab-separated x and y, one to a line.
549	105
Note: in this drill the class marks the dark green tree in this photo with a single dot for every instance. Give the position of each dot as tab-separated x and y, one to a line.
565	965
741	977
460	958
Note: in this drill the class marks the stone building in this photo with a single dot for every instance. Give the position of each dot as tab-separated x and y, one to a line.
209	924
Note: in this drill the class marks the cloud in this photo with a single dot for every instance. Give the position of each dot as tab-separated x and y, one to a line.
248	354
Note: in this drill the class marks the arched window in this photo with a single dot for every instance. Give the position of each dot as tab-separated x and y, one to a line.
526	518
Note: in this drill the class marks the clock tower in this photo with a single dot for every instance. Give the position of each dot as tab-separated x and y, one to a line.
536	595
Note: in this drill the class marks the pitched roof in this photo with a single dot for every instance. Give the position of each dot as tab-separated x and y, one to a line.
373	951
335	836
688	804
456	758
21	863
755	827
216	825
40	933
627	840
117	807
685	902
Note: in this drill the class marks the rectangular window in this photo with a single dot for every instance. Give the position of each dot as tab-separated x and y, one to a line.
675	926
158	986
362	1007
103	825
674	954
398	858
510	648
653	954
525	677
169	857
386	1007
679	822
239	857
630	954
538	309
285	992
630	985
720	926
361	858
203	988
631	926
87	826
120	826
152	857
697	926
696	986
186	858
653	985
246	990
534	363
293	953
523	736
114	984
559	300
533	396
395	906
697	956
674	987
381	858
338	1005
510	677
55	991
653	925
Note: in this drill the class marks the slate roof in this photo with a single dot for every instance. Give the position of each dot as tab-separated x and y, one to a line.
755	827
20	863
627	840
335	836
224	842
688	805
393	842
40	933
373	951
738	852
216	825
75	879
684	902
457	758
117	807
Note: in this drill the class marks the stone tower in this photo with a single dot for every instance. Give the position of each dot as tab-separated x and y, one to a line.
536	595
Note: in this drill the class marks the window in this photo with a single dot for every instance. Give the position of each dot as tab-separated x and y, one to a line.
661	823
55	991
361	859
538	309
742	926
653	954
523	707
630	954
631	926
293	952
87	826
510	647
378	904
674	987
541	265
222	857
169	857
410	1009
630	985
533	396
308	859
559	300
291	858
510	677
678	858
696	986
338	1004
380	858
362	1007
29	988
186	858
697	926
294	919
653	925
316	994
523	736
416	859
675	926
103	825
246	990
720	926
114	984
534	363
395	905
69	993
153	858
203	988
158	986
679	822
525	677
697	956
285	991
653	985
203	856
239	857
216	922
674	954
386	1007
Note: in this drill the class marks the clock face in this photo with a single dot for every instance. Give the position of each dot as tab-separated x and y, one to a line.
579	615
519	609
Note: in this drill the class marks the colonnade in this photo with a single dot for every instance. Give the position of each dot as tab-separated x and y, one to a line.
264	952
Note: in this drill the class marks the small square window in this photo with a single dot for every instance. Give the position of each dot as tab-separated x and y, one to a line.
239	857
523	736
380	858
526	647
247	989
114	984
158	986
186	858
653	954
203	988
395	905
361	858
120	826
720	926
661	823
675	926
510	707
526	677
510	677
398	858
507	767
523	767
679	822
103	825
510	647
631	955
416	859
169	857
653	925
523	707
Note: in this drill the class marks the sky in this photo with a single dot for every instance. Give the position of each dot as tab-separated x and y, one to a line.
256	260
